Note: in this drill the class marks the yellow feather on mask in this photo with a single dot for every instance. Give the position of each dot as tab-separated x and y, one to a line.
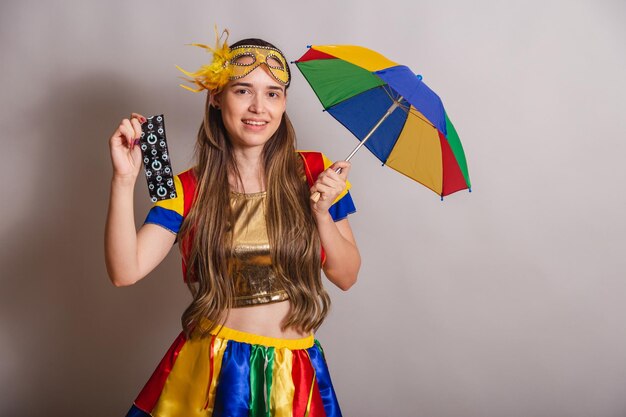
214	76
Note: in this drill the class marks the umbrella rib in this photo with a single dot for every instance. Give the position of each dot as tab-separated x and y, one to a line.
423	119
388	90
390	110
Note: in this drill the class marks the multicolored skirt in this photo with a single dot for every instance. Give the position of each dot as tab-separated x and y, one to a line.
233	373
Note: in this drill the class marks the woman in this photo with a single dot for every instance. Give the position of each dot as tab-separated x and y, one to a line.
252	241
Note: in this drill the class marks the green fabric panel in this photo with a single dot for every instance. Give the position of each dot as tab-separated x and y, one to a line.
334	80
457	149
319	346
261	364
268	379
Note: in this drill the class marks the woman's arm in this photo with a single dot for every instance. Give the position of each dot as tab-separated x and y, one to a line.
342	255
129	254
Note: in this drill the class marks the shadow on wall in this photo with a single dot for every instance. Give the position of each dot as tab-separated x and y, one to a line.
76	344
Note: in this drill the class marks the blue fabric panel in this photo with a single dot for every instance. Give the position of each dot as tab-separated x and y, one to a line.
232	398
166	218
136	412
361	113
402	80
329	399
342	208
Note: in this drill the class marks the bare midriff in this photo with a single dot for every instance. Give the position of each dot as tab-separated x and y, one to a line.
264	320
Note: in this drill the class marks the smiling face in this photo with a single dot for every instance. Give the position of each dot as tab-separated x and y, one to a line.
252	108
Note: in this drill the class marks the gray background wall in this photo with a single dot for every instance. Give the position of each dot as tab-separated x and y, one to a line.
506	302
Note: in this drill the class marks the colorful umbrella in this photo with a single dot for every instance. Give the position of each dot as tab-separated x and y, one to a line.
363	90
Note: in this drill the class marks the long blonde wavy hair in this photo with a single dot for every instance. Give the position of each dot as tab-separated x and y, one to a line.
206	234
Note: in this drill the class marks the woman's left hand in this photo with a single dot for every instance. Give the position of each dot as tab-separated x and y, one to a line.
330	185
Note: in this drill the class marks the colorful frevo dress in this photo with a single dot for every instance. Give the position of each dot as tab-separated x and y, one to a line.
231	373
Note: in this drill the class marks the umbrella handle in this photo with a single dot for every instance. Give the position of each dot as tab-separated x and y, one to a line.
315	197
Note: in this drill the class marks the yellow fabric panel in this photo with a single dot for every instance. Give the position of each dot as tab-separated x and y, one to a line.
283	389
253	339
357	55
175	204
417	153
219	346
185	391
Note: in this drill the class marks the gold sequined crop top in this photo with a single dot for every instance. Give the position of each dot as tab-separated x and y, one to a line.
251	268
255	280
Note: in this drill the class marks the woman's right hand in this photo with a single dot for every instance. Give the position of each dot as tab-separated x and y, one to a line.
125	152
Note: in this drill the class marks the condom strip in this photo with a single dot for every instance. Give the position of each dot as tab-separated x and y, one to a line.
156	159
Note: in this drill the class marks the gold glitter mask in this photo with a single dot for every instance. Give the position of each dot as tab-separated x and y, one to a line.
244	59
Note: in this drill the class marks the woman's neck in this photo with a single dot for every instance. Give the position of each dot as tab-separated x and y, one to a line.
250	166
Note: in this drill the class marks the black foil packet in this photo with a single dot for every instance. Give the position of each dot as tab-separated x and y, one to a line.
156	159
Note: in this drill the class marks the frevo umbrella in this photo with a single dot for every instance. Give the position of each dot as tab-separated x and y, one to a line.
391	111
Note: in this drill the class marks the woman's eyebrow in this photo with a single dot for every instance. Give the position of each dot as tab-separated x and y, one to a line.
240	84
249	85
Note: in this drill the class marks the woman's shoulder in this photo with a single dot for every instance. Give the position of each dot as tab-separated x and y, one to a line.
170	213
188	175
310	154
314	162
